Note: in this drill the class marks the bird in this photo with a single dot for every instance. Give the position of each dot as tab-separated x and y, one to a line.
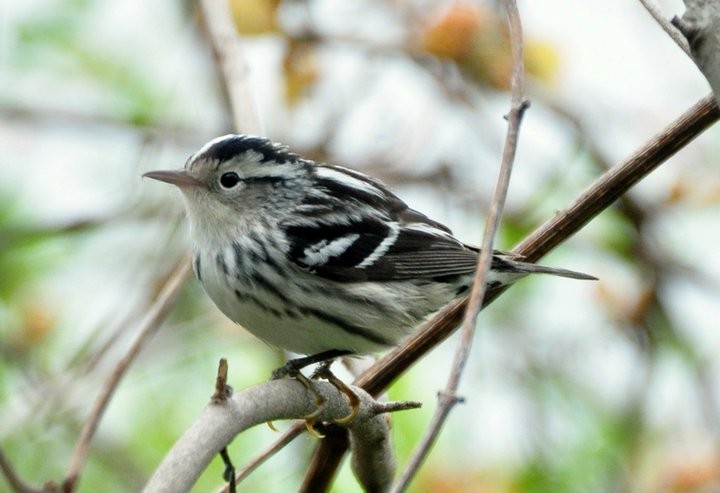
318	259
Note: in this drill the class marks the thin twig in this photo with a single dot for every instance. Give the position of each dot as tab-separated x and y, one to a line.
598	197
448	397
654	10
16	483
222	390
148	327
233	65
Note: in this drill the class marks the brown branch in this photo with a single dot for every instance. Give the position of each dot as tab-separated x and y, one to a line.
596	198
619	179
16	483
326	460
448	398
148	327
233	66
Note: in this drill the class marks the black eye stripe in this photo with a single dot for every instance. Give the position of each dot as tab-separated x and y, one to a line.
230	179
263	179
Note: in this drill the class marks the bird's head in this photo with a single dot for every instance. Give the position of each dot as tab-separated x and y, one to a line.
234	180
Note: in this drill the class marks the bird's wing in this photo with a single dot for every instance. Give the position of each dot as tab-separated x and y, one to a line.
374	249
350	227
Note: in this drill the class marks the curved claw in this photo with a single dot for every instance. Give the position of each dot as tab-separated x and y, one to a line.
310	425
323	371
354	402
311	418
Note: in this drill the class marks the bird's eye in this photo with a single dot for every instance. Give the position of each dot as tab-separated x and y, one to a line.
229	179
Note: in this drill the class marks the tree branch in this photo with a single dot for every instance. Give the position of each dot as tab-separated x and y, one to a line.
700	24
221	421
654	10
16	483
229	55
619	179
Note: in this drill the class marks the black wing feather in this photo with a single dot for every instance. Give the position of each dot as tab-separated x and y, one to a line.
413	254
390	242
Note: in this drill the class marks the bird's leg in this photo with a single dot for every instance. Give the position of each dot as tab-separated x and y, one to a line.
323	371
293	366
292	369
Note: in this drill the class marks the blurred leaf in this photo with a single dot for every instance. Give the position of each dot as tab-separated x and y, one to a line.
478	40
299	69
17	262
595	457
27	253
451	33
37	322
434	480
614	232
697	476
255	17
541	60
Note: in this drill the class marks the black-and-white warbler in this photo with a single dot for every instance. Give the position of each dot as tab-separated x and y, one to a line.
316	258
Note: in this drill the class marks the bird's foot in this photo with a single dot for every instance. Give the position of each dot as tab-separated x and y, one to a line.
292	369
323	371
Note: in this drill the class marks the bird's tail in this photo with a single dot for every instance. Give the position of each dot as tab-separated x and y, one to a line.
527	268
541	269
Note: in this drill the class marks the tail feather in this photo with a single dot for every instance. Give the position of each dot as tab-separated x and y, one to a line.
510	263
553	271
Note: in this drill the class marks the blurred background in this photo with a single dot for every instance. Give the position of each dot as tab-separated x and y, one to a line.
572	386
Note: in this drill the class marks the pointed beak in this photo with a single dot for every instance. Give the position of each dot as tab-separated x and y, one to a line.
178	178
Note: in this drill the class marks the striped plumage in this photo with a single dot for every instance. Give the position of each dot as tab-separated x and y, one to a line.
311	257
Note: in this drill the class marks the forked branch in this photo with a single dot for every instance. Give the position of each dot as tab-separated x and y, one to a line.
222	419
